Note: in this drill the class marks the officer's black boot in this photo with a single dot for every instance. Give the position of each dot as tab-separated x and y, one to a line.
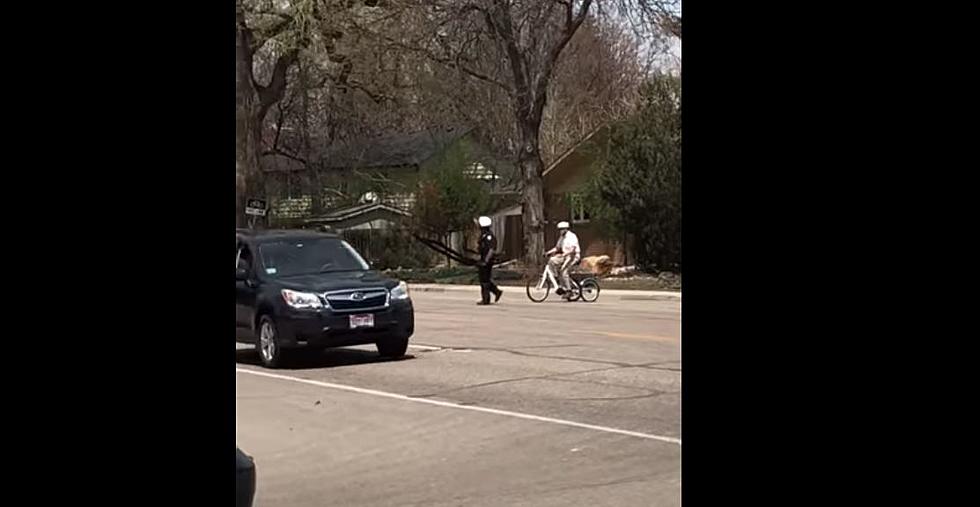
484	294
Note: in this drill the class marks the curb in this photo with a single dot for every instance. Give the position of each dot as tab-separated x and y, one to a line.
622	294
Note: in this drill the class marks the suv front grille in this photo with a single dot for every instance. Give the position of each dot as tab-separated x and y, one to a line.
357	299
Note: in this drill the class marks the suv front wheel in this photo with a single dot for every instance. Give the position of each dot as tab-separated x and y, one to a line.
393	346
270	353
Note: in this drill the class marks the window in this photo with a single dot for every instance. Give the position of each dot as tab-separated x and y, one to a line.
580	215
297	257
244	258
479	171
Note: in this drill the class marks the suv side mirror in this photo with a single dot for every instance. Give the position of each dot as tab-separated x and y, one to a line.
241	275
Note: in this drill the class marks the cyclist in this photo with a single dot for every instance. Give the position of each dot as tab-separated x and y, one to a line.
569	253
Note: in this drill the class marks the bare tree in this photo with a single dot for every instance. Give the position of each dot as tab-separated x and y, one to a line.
534	76
270	38
513	49
528	37
253	99
653	17
596	82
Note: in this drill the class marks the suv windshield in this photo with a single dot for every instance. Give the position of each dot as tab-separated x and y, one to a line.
309	256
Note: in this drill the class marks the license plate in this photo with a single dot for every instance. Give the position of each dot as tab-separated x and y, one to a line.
366	320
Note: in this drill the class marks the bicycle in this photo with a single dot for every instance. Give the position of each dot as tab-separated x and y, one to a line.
586	289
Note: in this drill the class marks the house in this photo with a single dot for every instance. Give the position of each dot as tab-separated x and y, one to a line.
369	215
563	181
341	174
378	171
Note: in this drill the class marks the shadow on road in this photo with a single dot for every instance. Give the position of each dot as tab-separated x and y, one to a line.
308	360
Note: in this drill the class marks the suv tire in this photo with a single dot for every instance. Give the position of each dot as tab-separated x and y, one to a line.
267	344
393	346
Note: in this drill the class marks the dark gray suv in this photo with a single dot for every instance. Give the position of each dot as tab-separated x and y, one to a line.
310	290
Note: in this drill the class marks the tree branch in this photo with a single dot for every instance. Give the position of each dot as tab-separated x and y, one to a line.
451	64
269	95
264	33
276	29
505	28
572	23
247	39
671	23
376	97
658	13
481	77
281	152
279	121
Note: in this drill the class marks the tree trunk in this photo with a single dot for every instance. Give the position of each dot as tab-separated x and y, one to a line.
248	178
448	242
533	212
252	102
314	187
247	130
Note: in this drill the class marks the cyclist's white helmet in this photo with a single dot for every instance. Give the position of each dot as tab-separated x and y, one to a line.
485	222
563	225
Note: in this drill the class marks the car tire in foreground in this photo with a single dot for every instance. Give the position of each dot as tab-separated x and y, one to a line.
393	346
244	479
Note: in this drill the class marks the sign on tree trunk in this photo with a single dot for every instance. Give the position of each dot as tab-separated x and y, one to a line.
256	207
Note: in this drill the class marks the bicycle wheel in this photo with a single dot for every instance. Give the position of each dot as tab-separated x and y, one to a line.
589	291
576	290
537	294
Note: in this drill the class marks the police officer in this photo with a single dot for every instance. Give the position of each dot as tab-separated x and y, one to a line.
487	247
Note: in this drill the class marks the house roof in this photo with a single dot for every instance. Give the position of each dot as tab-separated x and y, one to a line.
262	235
561	158
393	150
339	215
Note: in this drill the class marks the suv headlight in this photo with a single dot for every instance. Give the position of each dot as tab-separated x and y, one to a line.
301	300
400	292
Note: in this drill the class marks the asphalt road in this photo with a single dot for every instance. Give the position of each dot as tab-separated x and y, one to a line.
514	404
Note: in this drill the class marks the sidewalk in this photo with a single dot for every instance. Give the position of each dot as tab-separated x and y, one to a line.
475	289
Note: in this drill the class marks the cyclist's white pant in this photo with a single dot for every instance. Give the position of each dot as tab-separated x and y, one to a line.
561	264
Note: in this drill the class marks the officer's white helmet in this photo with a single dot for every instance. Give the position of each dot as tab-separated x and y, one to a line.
485	222
562	225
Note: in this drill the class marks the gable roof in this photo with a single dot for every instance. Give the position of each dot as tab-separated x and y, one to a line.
347	213
575	148
279	234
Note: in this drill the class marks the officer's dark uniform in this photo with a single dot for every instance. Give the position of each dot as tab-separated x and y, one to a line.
488	244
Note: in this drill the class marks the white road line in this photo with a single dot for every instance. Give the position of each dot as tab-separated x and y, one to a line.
423	347
449	404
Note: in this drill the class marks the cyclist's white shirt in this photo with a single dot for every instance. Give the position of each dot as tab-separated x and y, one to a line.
568	244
